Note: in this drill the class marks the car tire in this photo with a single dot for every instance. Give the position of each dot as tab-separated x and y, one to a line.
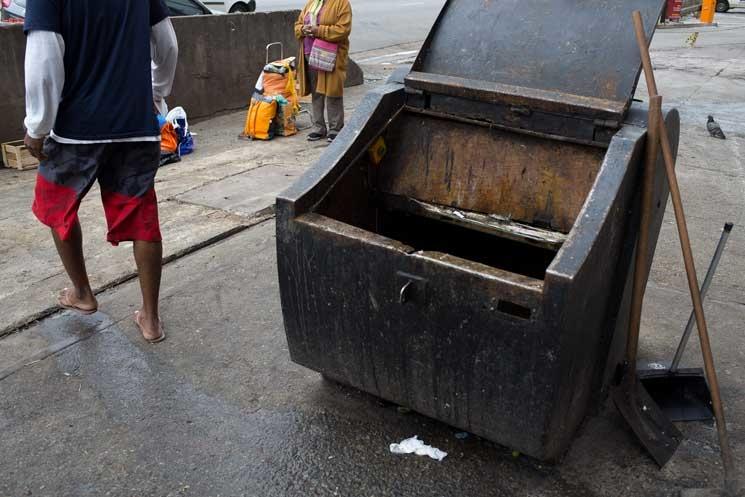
722	6
242	7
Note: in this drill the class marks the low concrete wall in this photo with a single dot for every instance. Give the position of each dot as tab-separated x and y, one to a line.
220	58
12	103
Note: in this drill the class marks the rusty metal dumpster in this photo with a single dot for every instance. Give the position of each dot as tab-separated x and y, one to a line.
480	273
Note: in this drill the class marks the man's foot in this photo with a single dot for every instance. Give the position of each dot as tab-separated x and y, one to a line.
314	137
151	329
81	302
332	137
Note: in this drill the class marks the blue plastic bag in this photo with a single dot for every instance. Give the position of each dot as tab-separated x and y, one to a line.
177	117
185	140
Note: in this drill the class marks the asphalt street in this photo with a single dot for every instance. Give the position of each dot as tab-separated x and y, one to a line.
378	23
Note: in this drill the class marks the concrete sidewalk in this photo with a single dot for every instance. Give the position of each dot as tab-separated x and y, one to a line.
88	408
225	186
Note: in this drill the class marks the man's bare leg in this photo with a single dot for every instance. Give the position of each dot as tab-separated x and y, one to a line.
149	259
80	296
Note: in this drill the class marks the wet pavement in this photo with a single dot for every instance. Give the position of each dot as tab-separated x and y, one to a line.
219	410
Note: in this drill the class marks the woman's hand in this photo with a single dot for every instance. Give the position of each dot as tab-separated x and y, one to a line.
310	30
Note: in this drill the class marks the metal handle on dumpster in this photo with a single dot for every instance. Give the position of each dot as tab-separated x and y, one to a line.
405	293
704	289
281	50
410	287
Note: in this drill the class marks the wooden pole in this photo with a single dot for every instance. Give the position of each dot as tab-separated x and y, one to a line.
685	243
642	245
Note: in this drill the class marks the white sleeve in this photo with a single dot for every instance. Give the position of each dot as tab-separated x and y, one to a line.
45	78
164	55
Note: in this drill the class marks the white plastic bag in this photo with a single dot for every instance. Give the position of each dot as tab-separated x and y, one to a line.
415	446
178	113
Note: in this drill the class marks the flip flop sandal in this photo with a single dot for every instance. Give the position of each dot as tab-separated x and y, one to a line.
150	340
70	307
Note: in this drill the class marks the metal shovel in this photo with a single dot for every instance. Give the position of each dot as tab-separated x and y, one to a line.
653	429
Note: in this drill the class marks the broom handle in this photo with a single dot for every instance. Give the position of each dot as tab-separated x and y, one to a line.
704	289
685	243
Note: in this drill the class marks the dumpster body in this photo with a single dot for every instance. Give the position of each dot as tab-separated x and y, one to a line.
480	271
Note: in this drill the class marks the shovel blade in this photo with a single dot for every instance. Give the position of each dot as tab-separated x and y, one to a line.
652	428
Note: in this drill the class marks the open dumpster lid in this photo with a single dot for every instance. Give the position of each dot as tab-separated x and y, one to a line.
564	56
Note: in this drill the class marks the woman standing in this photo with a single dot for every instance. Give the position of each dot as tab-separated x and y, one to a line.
330	21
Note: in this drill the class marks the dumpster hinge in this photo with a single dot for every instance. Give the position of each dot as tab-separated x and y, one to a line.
416	98
605	129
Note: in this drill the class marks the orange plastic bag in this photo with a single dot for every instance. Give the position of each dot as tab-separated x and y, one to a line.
275	84
168	139
259	119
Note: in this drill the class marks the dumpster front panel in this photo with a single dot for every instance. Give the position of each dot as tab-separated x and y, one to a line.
465	344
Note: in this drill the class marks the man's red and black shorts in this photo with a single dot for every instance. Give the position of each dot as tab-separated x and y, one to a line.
126	174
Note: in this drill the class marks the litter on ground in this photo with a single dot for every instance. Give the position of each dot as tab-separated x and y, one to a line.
415	446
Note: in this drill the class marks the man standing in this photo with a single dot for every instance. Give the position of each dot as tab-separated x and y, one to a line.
96	71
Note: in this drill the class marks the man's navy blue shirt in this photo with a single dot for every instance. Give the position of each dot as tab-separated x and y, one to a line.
108	90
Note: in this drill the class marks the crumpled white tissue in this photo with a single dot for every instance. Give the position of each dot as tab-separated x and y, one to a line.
415	446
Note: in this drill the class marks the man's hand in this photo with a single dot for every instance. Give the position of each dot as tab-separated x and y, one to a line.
35	146
159	107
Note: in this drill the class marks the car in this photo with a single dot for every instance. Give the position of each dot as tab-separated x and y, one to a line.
15	10
187	8
233	6
10	12
725	5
